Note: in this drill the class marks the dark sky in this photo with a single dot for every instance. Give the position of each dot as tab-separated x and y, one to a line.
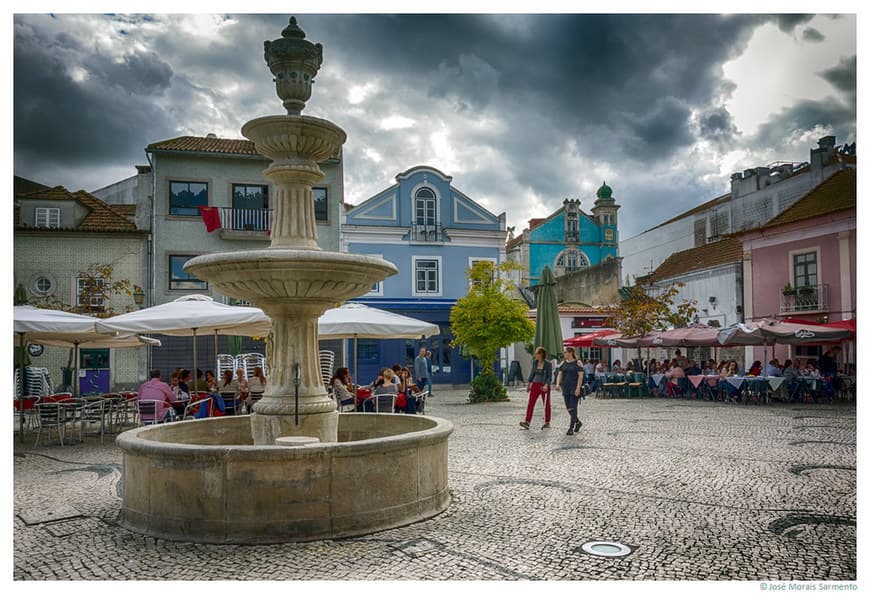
522	110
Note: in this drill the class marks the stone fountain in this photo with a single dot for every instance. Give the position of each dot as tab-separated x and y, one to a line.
234	479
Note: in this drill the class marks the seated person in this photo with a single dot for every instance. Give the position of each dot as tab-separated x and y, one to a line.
772	369
386	386
675	373
342	386
183	384
405	401
211	381
160	393
228	388
257	382
755	369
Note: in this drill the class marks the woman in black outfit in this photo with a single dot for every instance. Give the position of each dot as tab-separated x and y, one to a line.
569	380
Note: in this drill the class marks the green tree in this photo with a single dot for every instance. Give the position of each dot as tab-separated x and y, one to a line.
646	307
487	319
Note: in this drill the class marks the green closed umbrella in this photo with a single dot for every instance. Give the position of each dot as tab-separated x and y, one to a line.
234	345
548	330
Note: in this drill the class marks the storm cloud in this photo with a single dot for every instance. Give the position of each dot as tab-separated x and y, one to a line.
522	110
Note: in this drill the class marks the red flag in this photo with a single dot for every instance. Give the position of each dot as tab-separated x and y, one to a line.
211	217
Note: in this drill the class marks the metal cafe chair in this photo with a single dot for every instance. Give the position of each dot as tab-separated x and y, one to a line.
51	417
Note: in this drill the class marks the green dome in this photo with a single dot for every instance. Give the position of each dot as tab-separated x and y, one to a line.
605	192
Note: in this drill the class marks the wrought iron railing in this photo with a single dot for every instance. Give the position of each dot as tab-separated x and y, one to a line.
426	233
807	298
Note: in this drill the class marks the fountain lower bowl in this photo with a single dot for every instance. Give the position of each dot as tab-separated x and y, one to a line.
204	481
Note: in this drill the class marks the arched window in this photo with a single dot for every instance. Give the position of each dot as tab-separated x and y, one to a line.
570	260
424	207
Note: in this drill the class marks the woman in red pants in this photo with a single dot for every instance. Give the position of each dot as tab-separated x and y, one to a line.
539	385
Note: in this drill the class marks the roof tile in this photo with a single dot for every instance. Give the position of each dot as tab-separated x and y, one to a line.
199	144
725	251
838	192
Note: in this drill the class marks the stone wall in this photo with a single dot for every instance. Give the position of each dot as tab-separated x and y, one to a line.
596	285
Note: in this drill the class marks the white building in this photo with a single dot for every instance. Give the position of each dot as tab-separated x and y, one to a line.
757	195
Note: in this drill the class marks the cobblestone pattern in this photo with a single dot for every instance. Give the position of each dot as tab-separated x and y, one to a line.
698	490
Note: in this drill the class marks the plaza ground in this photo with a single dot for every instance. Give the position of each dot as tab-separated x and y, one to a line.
697	490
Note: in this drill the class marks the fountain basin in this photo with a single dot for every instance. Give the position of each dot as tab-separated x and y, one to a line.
274	275
294	139
204	481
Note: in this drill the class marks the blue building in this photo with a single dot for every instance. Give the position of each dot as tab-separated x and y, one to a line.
569	239
433	233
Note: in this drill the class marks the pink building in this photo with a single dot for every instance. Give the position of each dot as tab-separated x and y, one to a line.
802	264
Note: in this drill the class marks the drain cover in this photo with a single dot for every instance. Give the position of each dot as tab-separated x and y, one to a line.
603	548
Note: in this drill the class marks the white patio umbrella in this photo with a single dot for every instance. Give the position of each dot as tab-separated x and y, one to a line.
356	320
190	314
59	328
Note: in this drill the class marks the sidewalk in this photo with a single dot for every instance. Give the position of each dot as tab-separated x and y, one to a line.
697	490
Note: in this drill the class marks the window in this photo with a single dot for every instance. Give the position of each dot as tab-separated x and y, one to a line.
90	293
426	276
378	287
250	196
43	286
179	280
805	269
48	218
250	208
184	197
424	207
569	261
321	204
368	351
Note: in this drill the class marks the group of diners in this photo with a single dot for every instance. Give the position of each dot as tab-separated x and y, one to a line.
395	380
229	395
814	380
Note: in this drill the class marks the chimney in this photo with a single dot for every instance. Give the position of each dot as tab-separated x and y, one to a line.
211	135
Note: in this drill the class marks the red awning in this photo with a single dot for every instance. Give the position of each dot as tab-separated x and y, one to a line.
586	340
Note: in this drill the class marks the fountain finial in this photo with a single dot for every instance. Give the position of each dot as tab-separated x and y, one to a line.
294	61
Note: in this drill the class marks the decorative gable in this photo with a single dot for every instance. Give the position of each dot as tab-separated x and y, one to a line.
466	211
381	208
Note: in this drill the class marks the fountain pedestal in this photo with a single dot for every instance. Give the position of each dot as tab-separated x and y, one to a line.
226	480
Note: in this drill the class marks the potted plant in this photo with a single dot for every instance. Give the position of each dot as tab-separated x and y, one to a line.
788	289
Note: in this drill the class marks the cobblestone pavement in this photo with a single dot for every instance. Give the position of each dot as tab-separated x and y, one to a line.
698	490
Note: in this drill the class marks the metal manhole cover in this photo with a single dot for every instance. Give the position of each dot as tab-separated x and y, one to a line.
49	514
71	527
604	548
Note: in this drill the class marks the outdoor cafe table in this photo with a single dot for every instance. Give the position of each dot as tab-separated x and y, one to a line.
755	386
705	385
606	377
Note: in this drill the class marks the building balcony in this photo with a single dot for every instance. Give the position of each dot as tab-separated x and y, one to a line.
427	233
808	299
245	223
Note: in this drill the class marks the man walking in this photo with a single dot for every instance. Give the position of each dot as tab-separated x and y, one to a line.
421	370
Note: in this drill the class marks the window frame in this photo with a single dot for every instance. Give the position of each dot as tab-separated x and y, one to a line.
47	212
793	255
34	285
171	182
438	276
97	304
170	281
378	287
263	187
433	199
320	221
